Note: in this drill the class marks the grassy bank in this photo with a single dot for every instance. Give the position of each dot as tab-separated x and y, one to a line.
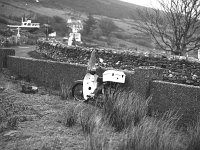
45	121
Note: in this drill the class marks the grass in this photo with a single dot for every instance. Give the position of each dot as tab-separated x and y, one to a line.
10	110
123	108
194	132
154	134
126	113
32	121
68	117
122	123
65	90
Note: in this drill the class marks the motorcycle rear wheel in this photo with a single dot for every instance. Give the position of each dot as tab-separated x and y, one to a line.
77	91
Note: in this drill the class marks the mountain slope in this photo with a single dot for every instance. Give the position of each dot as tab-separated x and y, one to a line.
110	8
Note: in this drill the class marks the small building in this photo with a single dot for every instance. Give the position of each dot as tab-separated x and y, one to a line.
52	35
25	24
75	25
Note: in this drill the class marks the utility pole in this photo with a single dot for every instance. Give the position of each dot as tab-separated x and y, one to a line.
47	29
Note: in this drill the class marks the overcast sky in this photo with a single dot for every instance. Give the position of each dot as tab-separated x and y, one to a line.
147	3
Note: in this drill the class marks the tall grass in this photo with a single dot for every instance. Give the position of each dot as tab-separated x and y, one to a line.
65	90
87	116
126	112
68	117
100	139
149	134
155	134
194	132
123	108
10	110
90	118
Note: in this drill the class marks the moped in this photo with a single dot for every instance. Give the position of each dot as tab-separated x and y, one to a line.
94	86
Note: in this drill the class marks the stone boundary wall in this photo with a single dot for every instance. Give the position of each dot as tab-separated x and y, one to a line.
144	80
172	96
4	52
53	74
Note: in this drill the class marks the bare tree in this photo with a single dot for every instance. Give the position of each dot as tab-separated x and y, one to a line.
175	26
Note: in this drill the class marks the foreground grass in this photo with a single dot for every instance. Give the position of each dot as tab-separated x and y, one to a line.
43	121
34	121
132	129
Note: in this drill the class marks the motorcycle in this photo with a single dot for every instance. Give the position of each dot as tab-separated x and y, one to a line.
92	86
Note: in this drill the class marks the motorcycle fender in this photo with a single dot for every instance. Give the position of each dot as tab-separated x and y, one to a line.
78	81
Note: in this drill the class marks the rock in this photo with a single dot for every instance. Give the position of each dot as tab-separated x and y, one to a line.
27	89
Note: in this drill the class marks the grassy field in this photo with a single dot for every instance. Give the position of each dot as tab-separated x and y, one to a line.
30	121
49	121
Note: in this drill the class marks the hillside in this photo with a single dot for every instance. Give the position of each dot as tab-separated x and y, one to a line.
110	8
122	13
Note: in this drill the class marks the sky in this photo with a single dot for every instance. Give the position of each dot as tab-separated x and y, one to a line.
147	3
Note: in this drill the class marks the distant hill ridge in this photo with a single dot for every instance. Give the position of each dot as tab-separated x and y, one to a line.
110	8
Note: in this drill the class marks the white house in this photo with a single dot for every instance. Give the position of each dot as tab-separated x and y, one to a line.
75	25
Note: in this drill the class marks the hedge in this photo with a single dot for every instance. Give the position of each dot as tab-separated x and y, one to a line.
3	56
51	73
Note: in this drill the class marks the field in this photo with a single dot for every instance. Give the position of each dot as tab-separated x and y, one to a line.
49	121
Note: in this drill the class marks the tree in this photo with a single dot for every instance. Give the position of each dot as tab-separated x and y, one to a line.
107	26
47	29
175	27
89	25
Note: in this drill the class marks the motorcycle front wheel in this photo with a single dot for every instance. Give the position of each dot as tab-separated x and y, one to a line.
77	91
